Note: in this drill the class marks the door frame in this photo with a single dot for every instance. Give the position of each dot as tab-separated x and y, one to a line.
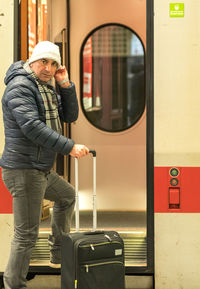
150	135
149	269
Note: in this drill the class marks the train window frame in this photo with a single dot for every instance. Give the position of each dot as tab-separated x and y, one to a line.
140	114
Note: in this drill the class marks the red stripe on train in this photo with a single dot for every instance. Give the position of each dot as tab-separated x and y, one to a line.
177	194
5	199
182	198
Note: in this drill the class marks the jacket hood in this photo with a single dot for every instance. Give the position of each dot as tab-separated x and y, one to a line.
14	70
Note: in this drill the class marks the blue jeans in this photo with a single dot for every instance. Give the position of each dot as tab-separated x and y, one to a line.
28	188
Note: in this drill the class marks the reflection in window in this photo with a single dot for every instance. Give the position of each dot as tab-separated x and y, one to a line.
37	23
113	83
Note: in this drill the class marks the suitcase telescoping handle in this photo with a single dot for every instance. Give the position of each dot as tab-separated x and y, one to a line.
93	152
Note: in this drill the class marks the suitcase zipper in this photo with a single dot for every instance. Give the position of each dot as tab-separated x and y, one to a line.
92	245
87	266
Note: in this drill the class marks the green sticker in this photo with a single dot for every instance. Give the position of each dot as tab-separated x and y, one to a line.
176	9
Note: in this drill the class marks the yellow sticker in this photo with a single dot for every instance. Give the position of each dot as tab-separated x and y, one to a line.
176	9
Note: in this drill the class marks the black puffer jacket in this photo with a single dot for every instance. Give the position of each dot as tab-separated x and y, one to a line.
29	142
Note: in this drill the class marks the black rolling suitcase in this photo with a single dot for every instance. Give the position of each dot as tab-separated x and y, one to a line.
94	259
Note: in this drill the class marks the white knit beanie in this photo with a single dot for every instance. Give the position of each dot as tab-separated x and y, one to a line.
46	49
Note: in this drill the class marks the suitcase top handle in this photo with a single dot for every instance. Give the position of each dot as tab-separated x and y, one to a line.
94	232
93	152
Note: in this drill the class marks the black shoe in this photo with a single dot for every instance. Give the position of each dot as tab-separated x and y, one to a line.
54	265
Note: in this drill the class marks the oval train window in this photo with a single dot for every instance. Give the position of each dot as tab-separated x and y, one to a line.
112	78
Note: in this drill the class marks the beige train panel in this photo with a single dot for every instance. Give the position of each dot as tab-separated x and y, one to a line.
121	157
177	85
177	251
6	48
177	159
6	225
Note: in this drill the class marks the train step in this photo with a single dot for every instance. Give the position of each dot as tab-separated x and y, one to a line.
135	247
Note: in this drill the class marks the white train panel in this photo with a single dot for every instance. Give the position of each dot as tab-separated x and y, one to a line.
177	85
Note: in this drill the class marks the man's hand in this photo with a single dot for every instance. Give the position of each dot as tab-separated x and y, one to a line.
79	151
61	75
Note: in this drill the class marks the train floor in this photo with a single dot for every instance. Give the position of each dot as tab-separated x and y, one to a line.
109	219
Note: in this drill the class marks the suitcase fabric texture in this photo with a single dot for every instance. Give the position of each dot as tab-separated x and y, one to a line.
92	259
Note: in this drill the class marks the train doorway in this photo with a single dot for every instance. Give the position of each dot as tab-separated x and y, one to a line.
109	57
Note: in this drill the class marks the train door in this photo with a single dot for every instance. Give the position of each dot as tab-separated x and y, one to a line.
107	53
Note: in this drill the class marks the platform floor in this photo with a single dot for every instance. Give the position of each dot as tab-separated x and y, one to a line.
53	282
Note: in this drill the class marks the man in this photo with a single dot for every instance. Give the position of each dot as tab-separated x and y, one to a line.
32	111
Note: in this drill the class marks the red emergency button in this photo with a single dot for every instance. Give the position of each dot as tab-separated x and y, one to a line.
174	198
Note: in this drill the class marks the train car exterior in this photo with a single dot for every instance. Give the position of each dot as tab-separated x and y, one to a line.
162	147
7	52
176	143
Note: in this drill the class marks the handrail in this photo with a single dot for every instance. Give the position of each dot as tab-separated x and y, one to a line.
64	124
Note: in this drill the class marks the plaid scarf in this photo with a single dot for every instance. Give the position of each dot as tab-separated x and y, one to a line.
50	101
